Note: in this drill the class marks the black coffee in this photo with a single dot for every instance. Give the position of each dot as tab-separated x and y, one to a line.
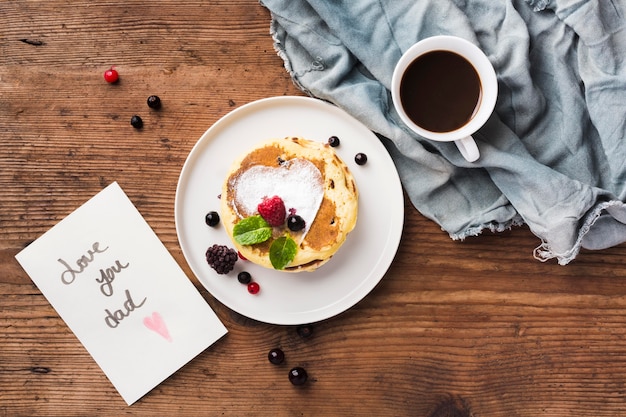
440	91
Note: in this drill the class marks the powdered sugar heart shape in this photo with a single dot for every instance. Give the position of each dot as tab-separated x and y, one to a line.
298	182
157	324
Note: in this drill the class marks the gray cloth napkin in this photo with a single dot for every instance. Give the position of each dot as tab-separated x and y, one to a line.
553	154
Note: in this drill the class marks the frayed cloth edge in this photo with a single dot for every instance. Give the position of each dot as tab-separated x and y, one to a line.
544	253
538	5
493	227
280	51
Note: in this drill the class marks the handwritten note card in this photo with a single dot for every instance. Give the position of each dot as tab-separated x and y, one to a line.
121	292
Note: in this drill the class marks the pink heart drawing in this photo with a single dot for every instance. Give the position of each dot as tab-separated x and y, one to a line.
156	323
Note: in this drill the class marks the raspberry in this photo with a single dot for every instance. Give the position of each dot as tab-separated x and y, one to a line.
221	258
273	210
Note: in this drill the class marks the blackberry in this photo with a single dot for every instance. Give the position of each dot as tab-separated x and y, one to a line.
221	258
154	102
136	122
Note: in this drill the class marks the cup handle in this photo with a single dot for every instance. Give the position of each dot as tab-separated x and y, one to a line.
467	147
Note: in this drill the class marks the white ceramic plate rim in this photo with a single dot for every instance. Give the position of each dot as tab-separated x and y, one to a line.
358	266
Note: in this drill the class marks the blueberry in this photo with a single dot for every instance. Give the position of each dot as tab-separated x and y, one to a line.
276	356
334	141
295	223
244	277
154	102
212	218
298	376
136	122
360	158
305	330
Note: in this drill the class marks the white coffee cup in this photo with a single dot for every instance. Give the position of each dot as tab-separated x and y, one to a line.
461	134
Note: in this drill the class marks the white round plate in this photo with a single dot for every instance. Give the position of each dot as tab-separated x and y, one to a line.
356	268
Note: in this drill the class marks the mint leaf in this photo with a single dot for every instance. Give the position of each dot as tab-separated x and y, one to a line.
252	230
282	251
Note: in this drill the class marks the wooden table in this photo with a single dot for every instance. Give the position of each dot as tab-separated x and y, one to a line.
473	328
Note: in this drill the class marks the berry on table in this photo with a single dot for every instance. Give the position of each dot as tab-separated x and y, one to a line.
253	288
295	223
136	122
154	102
111	75
272	210
298	376
305	331
212	218
221	258
360	158
276	356
244	277
334	141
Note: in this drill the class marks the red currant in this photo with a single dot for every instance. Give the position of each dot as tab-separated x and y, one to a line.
253	288
111	75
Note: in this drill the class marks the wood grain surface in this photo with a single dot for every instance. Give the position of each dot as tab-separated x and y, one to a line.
475	328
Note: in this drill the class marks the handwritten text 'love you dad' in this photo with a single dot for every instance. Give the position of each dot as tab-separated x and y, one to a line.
107	275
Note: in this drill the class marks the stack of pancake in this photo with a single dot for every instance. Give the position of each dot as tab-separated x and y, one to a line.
313	182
